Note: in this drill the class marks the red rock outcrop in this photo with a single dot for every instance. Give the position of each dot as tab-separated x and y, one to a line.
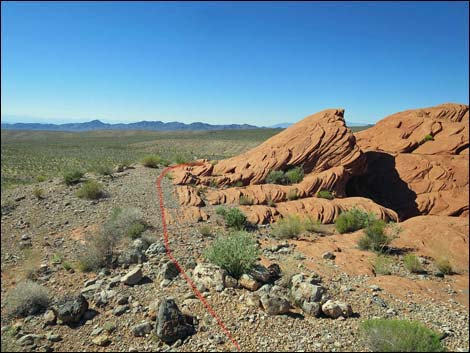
414	175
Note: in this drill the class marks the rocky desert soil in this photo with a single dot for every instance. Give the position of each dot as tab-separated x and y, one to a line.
123	310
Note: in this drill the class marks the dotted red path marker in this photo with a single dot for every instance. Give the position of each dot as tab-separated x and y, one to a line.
180	269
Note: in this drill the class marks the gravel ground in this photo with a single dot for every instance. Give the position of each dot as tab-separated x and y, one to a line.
60	222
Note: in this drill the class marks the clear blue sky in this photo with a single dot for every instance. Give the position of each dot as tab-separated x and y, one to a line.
257	63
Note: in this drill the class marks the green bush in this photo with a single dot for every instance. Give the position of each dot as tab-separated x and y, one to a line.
237	184
104	170
374	237
220	210
41	178
126	222
73	177
38	193
444	266
352	220
205	230
427	138
412	263
67	266
382	265
180	159
234	218
91	190
287	227
294	175
27	298
325	194
292	194
236	253
245	200
151	161
275	177
385	335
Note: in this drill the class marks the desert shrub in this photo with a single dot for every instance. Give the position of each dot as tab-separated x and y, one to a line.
91	190
412	263
245	200
104	170
27	298
38	193
382	265
292	194
233	217
169	175
236	253
444	266
314	226
275	177
375	238
325	194
92	259
294	175
126	222
73	177
427	138
287	227
385	335
270	202
148	238
289	268
220	210
67	266
151	161
41	178
205	230
352	220
29	268
180	159
237	184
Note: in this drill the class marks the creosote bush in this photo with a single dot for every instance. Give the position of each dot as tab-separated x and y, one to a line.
91	190
126	222
385	335
151	161
292	194
205	230
27	298
233	217
245	200
375	238
73	177
382	265
104	170
444	266
275	177
412	263
325	194
236	253
352	220
38	193
294	175
287	227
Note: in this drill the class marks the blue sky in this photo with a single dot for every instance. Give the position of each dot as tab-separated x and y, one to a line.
226	62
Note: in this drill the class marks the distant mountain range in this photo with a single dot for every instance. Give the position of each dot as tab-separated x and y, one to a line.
141	125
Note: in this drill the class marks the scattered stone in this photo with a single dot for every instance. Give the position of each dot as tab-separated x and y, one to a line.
102	341
50	317
210	276
168	271
171	323
335	309
248	282
311	308
121	309
328	255
142	329
71	309
274	305
230	282
133	277
260	273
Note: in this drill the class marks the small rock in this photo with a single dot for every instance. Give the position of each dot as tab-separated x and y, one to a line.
274	305
335	309
50	317
121	309
71	309
171	323
248	282
142	329
328	255
133	277
101	341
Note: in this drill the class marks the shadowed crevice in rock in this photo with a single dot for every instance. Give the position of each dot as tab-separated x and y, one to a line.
382	184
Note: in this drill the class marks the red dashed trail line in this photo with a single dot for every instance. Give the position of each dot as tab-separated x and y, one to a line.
180	269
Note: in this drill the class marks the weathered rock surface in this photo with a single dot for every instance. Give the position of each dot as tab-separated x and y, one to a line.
70	309
210	276
171	323
335	309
